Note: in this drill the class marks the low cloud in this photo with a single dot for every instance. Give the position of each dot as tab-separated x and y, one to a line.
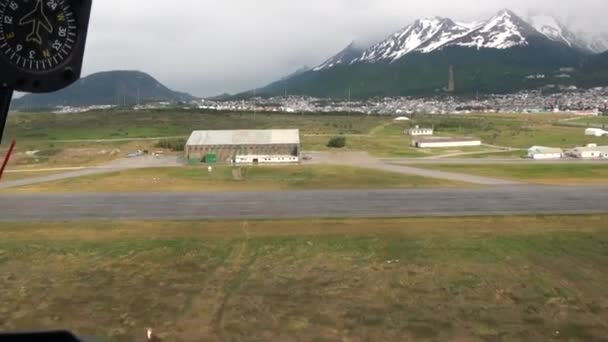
207	47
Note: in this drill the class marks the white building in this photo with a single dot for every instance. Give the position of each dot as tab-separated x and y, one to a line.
544	153
401	118
591	151
437	142
417	131
596	132
267	159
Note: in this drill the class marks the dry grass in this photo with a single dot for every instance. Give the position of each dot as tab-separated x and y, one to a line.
508	278
54	155
263	178
13	176
549	174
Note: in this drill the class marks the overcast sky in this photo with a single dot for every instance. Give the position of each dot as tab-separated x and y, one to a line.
207	47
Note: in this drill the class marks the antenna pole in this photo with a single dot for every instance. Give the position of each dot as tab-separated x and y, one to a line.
6	95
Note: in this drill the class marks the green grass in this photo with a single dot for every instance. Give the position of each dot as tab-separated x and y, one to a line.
519	131
126	124
592	121
378	135
383	146
498	154
13	176
486	278
224	179
540	173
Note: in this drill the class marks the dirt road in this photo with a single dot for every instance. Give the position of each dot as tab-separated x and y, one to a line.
118	165
364	160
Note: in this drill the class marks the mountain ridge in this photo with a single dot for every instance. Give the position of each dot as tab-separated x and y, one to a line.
116	87
495	55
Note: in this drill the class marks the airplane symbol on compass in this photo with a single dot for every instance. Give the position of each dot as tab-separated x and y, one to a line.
37	19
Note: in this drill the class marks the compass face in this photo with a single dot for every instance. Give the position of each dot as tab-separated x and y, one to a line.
37	35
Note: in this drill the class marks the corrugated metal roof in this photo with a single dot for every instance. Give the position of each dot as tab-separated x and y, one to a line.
544	150
245	137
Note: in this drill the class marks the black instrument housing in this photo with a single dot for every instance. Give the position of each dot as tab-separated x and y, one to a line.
67	73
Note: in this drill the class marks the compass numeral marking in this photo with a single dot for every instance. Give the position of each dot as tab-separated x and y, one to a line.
37	34
52	4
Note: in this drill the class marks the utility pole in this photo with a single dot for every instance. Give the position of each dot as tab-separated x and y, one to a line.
451	80
349	93
255	110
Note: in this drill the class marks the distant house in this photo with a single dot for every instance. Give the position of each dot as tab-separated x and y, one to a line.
417	131
438	142
543	153
535	77
591	151
401	118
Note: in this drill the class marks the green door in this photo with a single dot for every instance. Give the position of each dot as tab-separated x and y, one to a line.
210	158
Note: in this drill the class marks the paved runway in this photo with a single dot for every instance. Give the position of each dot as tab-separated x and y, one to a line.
503	200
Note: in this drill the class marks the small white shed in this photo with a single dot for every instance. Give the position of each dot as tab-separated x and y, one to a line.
596	132
444	142
417	131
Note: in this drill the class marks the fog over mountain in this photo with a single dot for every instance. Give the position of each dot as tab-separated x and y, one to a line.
208	47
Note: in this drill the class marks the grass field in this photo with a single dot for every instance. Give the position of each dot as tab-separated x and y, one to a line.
90	138
516	154
128	124
513	130
10	176
590	121
512	279
228	179
558	174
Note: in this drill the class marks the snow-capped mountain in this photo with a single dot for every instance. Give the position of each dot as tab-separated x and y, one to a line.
597	43
299	71
344	57
556	31
424	35
497	55
505	30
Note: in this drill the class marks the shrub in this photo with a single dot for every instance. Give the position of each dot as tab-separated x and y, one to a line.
337	142
176	145
49	152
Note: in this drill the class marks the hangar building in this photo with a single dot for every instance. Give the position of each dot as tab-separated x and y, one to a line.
225	146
